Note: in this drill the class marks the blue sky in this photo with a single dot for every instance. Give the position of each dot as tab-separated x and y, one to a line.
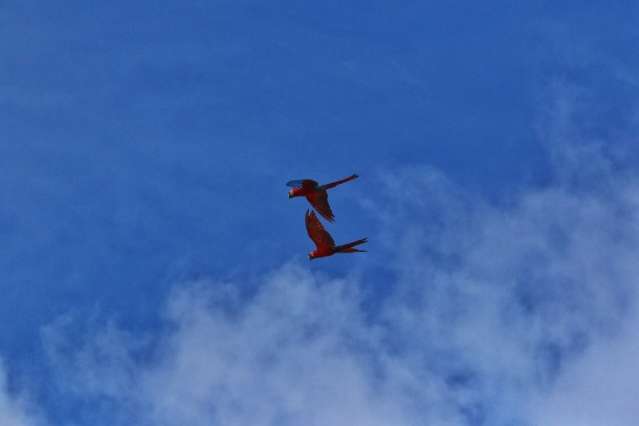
144	214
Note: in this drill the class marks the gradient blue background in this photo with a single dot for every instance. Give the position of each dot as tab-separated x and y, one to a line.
147	143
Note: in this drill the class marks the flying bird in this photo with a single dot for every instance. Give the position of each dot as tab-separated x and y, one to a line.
316	194
324	243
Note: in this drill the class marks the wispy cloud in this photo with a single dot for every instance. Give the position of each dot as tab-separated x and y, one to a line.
15	408
597	388
296	353
497	314
127	146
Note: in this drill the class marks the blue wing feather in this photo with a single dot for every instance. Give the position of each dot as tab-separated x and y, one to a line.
301	182
295	183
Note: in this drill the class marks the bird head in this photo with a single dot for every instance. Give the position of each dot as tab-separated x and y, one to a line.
311	255
295	192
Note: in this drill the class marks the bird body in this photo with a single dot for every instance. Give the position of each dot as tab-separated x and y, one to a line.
316	194
324	243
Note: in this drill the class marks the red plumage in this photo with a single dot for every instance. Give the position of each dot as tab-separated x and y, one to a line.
316	194
324	243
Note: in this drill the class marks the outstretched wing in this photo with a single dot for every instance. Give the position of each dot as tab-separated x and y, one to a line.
316	231
319	201
299	183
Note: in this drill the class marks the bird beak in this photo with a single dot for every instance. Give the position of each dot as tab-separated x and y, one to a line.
290	195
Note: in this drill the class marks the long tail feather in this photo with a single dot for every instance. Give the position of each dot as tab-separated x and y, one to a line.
339	182
348	248
352	250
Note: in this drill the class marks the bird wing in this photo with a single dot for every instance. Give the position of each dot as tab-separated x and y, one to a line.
302	183
316	231
319	201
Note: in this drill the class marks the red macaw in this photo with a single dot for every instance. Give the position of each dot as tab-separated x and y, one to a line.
324	244
316	194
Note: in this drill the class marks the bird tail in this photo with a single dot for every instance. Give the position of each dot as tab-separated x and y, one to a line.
339	182
350	247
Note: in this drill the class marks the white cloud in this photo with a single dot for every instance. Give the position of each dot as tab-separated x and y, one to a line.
599	388
15	410
500	314
497	315
295	354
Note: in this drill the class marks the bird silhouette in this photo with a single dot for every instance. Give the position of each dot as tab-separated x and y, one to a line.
324	243
316	194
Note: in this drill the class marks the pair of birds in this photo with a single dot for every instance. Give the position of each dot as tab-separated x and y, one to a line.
318	198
